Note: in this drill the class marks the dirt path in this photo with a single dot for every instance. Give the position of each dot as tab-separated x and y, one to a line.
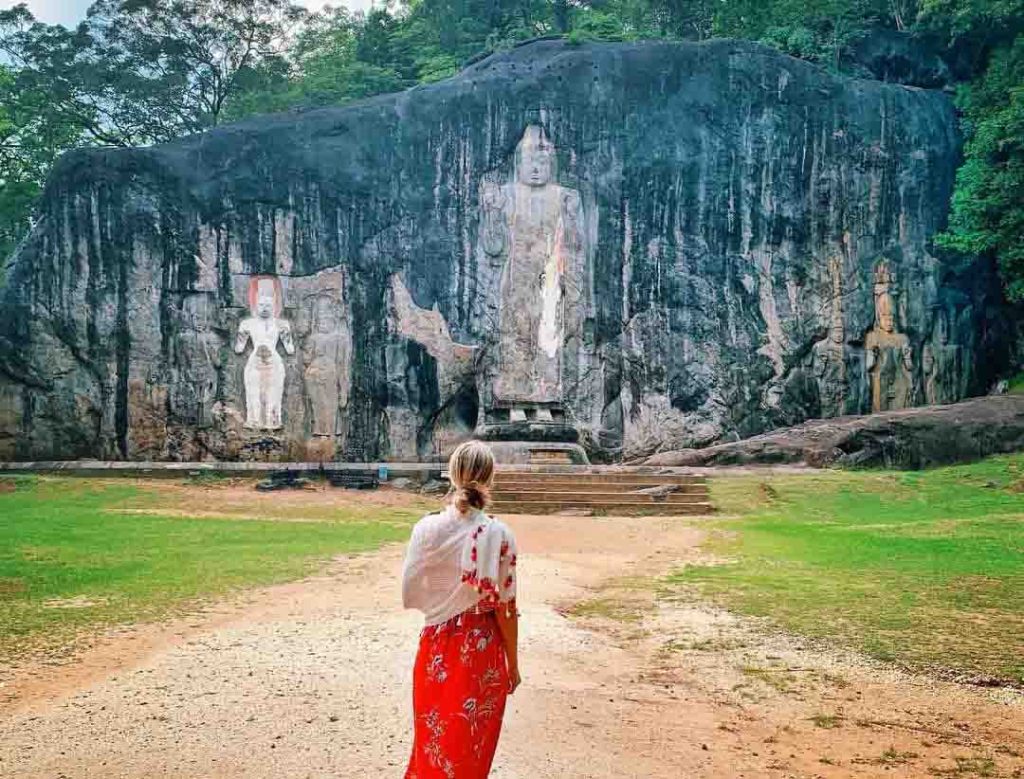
311	679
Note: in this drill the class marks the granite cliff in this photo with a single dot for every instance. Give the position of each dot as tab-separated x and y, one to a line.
660	245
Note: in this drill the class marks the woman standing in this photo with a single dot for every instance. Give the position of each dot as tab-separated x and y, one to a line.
460	572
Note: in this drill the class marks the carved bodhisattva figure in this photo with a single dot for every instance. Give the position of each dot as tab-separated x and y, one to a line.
326	352
889	356
264	371
830	354
197	360
942	364
534	225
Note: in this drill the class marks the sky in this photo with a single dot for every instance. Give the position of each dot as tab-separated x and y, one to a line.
71	12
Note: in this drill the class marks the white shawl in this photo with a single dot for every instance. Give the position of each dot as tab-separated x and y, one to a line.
456	561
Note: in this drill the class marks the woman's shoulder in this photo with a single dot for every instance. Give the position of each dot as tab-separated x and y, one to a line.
430	520
500	525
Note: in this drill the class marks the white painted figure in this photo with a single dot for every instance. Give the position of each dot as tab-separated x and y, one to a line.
264	371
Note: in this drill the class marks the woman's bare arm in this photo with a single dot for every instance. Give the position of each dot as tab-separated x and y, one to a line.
508	626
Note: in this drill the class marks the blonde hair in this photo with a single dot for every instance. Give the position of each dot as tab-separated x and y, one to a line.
471	471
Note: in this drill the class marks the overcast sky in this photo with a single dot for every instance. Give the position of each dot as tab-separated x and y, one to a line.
70	12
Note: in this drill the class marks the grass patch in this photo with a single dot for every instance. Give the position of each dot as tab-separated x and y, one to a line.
924	568
1016	385
72	558
779	680
827	721
607	608
968	766
891	757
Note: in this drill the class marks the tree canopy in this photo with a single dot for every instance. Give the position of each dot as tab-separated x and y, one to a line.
137	72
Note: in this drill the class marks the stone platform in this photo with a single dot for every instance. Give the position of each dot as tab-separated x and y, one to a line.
395	469
96	468
544	488
536	453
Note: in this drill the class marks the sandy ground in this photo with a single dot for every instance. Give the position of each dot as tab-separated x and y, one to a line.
312	679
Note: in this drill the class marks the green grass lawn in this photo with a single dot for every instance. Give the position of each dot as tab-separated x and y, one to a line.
924	568
70	558
1016	386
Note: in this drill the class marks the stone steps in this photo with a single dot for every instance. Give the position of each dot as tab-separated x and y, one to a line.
598	507
570	486
509	496
531	492
643	479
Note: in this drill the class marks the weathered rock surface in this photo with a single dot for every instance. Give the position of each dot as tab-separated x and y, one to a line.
911	438
659	244
902	58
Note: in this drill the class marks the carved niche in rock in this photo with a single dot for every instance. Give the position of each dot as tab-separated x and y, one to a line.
428	328
326	356
890	361
264	371
533	225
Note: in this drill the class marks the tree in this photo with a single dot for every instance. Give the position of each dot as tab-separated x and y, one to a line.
988	204
135	72
32	136
335	58
145	71
985	39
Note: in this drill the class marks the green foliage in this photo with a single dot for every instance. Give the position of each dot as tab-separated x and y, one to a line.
1016	385
924	568
821	30
330	63
988	205
32	135
77	554
987	215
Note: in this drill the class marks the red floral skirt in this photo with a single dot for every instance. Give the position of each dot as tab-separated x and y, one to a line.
460	684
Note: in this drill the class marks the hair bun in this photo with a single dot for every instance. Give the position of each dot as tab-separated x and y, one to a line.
471	470
471	495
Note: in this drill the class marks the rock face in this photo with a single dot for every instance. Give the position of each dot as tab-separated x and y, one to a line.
657	245
911	438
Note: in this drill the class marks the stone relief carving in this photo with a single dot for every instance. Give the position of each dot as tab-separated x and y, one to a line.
533	225
494	236
197	359
206	259
942	364
264	371
829	357
890	361
326	355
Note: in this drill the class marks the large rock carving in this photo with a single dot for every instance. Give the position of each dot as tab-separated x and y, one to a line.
533	225
661	244
890	357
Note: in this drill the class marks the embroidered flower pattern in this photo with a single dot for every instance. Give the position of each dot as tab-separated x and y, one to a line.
459	689
493	590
